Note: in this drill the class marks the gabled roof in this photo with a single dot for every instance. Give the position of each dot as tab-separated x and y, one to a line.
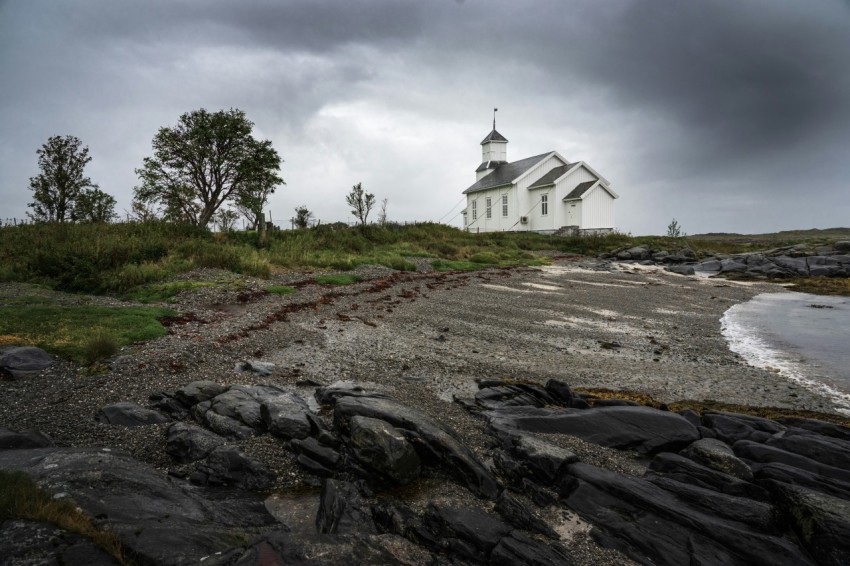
580	189
550	177
506	173
494	136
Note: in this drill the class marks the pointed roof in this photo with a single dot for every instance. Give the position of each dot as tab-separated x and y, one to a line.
506	173
580	189
494	136
550	177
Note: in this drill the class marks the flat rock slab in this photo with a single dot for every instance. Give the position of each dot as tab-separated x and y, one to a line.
643	429
129	414
23	361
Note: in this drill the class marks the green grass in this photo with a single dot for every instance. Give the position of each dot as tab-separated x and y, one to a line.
158	292
21	498
280	289
80	332
339	279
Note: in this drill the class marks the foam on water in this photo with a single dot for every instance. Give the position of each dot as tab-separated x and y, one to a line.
782	332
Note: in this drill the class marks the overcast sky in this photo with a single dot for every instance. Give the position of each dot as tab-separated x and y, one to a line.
727	115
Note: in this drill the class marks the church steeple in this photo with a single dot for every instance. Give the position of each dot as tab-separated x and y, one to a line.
494	151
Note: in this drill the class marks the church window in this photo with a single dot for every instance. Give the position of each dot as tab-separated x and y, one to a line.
488	207
544	205
504	205
474	210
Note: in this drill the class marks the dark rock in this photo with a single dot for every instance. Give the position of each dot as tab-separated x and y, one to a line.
169	404
825	267
718	455
732	266
638	252
23	361
513	395
539	459
681	269
731	427
765	454
652	525
342	509
329	395
228	465
198	392
281	548
225	426
613	402
829	451
34	542
239	403
691	416
520	516
687	471
11	440
822	522
478	529
643	429
129	414
255	366
383	449
711	265
310	447
559	391
794	264
435	444
314	467
796	476
157	519
843	246
285	416
519	548
819	427
188	443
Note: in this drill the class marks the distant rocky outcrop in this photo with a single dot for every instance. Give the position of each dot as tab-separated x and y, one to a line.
718	487
786	261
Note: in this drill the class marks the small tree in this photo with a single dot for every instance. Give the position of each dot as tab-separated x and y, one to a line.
61	181
674	230
302	217
208	159
382	212
144	212
361	203
226	219
94	205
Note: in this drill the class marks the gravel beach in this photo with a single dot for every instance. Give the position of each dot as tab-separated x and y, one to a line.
424	338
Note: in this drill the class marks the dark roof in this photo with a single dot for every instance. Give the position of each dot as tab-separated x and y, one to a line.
494	136
550	177
489	165
580	190
505	173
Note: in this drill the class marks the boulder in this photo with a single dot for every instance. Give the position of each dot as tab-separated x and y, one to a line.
240	404
825	266
383	449
23	361
732	266
687	471
843	246
310	447
285	416
519	548
765	454
158	520
681	269
342	509
643	429
188	443
228	465
803	478
198	392
328	395
820	427
11	440
794	264
129	414
719	456
471	532
495	394
822	522
712	265
540	459
255	366
520	516
829	451
435	443
731	427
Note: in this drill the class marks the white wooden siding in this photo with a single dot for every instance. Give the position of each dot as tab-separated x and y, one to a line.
598	208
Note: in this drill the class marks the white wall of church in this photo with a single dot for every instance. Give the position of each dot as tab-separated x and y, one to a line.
599	207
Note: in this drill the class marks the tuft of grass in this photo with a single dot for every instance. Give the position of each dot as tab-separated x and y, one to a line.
69	331
280	289
337	279
99	346
21	498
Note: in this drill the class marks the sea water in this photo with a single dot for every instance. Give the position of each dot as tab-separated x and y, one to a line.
803	338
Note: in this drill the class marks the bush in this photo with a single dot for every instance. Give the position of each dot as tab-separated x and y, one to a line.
100	346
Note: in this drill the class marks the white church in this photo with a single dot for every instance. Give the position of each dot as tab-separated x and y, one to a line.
544	193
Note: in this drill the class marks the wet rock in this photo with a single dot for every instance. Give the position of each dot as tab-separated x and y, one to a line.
539	459
188	443
643	429
20	362
718	455
822	522
819	427
829	451
519	548
382	448
520	516
765	454
310	447
342	509
158	519
285	416
435	444
731	427
653	525
198	392
169	404
803	478
11	440
129	414
228	465
468	531
687	471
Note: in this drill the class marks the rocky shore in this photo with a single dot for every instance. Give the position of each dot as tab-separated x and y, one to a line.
435	418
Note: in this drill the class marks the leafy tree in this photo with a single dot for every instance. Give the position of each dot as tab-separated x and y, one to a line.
226	219
204	161
94	205
302	217
361	202
61	181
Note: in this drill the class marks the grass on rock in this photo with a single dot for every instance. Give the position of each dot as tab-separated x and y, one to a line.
337	279
21	498
280	289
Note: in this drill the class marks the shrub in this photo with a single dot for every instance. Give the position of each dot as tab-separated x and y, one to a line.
101	345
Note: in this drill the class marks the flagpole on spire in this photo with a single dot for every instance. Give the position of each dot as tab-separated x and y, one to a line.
494	118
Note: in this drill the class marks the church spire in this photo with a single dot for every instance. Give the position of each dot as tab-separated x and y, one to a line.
493	150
